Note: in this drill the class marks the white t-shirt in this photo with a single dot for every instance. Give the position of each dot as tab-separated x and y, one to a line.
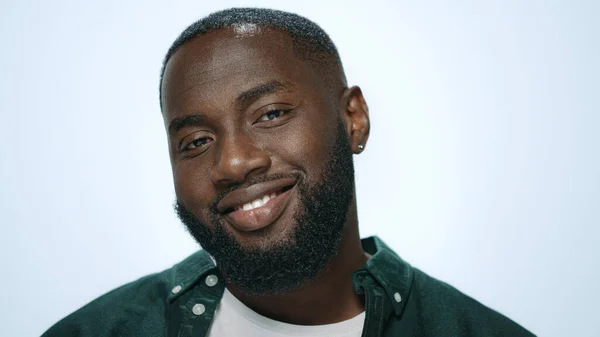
233	318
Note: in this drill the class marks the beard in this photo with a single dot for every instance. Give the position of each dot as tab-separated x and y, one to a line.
314	240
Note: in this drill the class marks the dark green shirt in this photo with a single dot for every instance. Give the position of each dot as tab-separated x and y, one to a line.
180	302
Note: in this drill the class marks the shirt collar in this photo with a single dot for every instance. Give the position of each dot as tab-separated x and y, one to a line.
187	272
391	272
388	269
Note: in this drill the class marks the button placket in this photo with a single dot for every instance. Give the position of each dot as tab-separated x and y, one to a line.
198	306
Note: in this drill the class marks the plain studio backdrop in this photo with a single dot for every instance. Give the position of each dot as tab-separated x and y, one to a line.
482	168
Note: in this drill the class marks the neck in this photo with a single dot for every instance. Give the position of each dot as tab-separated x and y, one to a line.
329	298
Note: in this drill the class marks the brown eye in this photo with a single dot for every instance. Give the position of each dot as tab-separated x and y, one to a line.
196	143
272	115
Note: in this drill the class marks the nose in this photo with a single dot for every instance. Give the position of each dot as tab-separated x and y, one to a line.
238	159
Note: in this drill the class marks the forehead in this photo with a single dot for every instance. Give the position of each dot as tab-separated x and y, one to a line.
219	64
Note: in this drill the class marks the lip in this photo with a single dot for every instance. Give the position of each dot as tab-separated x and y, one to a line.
263	216
242	196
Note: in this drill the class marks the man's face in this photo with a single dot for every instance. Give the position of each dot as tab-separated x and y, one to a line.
261	161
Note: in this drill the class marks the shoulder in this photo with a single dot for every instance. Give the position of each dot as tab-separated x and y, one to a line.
134	308
442	305
115	309
425	306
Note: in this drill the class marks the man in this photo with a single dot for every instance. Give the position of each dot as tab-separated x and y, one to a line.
262	128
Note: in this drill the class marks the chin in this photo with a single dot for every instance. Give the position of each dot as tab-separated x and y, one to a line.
279	233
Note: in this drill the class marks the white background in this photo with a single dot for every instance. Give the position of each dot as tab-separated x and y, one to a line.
482	168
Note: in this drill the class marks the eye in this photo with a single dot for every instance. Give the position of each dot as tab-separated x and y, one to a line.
196	143
272	115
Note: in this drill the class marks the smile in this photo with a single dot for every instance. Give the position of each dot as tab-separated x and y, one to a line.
257	206
258	202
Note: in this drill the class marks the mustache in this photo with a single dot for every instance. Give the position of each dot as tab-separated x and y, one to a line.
252	181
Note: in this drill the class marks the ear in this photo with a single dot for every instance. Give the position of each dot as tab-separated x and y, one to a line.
355	114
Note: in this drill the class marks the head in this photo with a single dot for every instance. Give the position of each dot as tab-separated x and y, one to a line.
261	128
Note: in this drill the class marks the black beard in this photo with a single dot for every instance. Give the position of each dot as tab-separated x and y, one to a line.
315	240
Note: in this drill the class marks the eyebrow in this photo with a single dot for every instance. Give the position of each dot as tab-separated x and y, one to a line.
181	122
241	101
260	90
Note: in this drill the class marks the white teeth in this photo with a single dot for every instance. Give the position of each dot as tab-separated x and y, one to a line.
258	202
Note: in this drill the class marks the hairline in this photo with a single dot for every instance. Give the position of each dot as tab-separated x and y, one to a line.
327	55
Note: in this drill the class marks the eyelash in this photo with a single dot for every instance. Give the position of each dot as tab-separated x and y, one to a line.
281	112
187	147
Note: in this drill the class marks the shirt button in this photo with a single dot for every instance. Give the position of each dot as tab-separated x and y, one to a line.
211	280
198	309
397	297
176	289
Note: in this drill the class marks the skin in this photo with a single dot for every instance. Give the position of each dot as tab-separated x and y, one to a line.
235	141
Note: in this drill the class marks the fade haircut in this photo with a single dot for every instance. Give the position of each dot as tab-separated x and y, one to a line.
310	42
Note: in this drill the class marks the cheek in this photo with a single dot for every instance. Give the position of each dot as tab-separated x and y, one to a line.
193	185
307	144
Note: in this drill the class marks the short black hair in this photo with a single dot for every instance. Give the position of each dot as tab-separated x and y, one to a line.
310	41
